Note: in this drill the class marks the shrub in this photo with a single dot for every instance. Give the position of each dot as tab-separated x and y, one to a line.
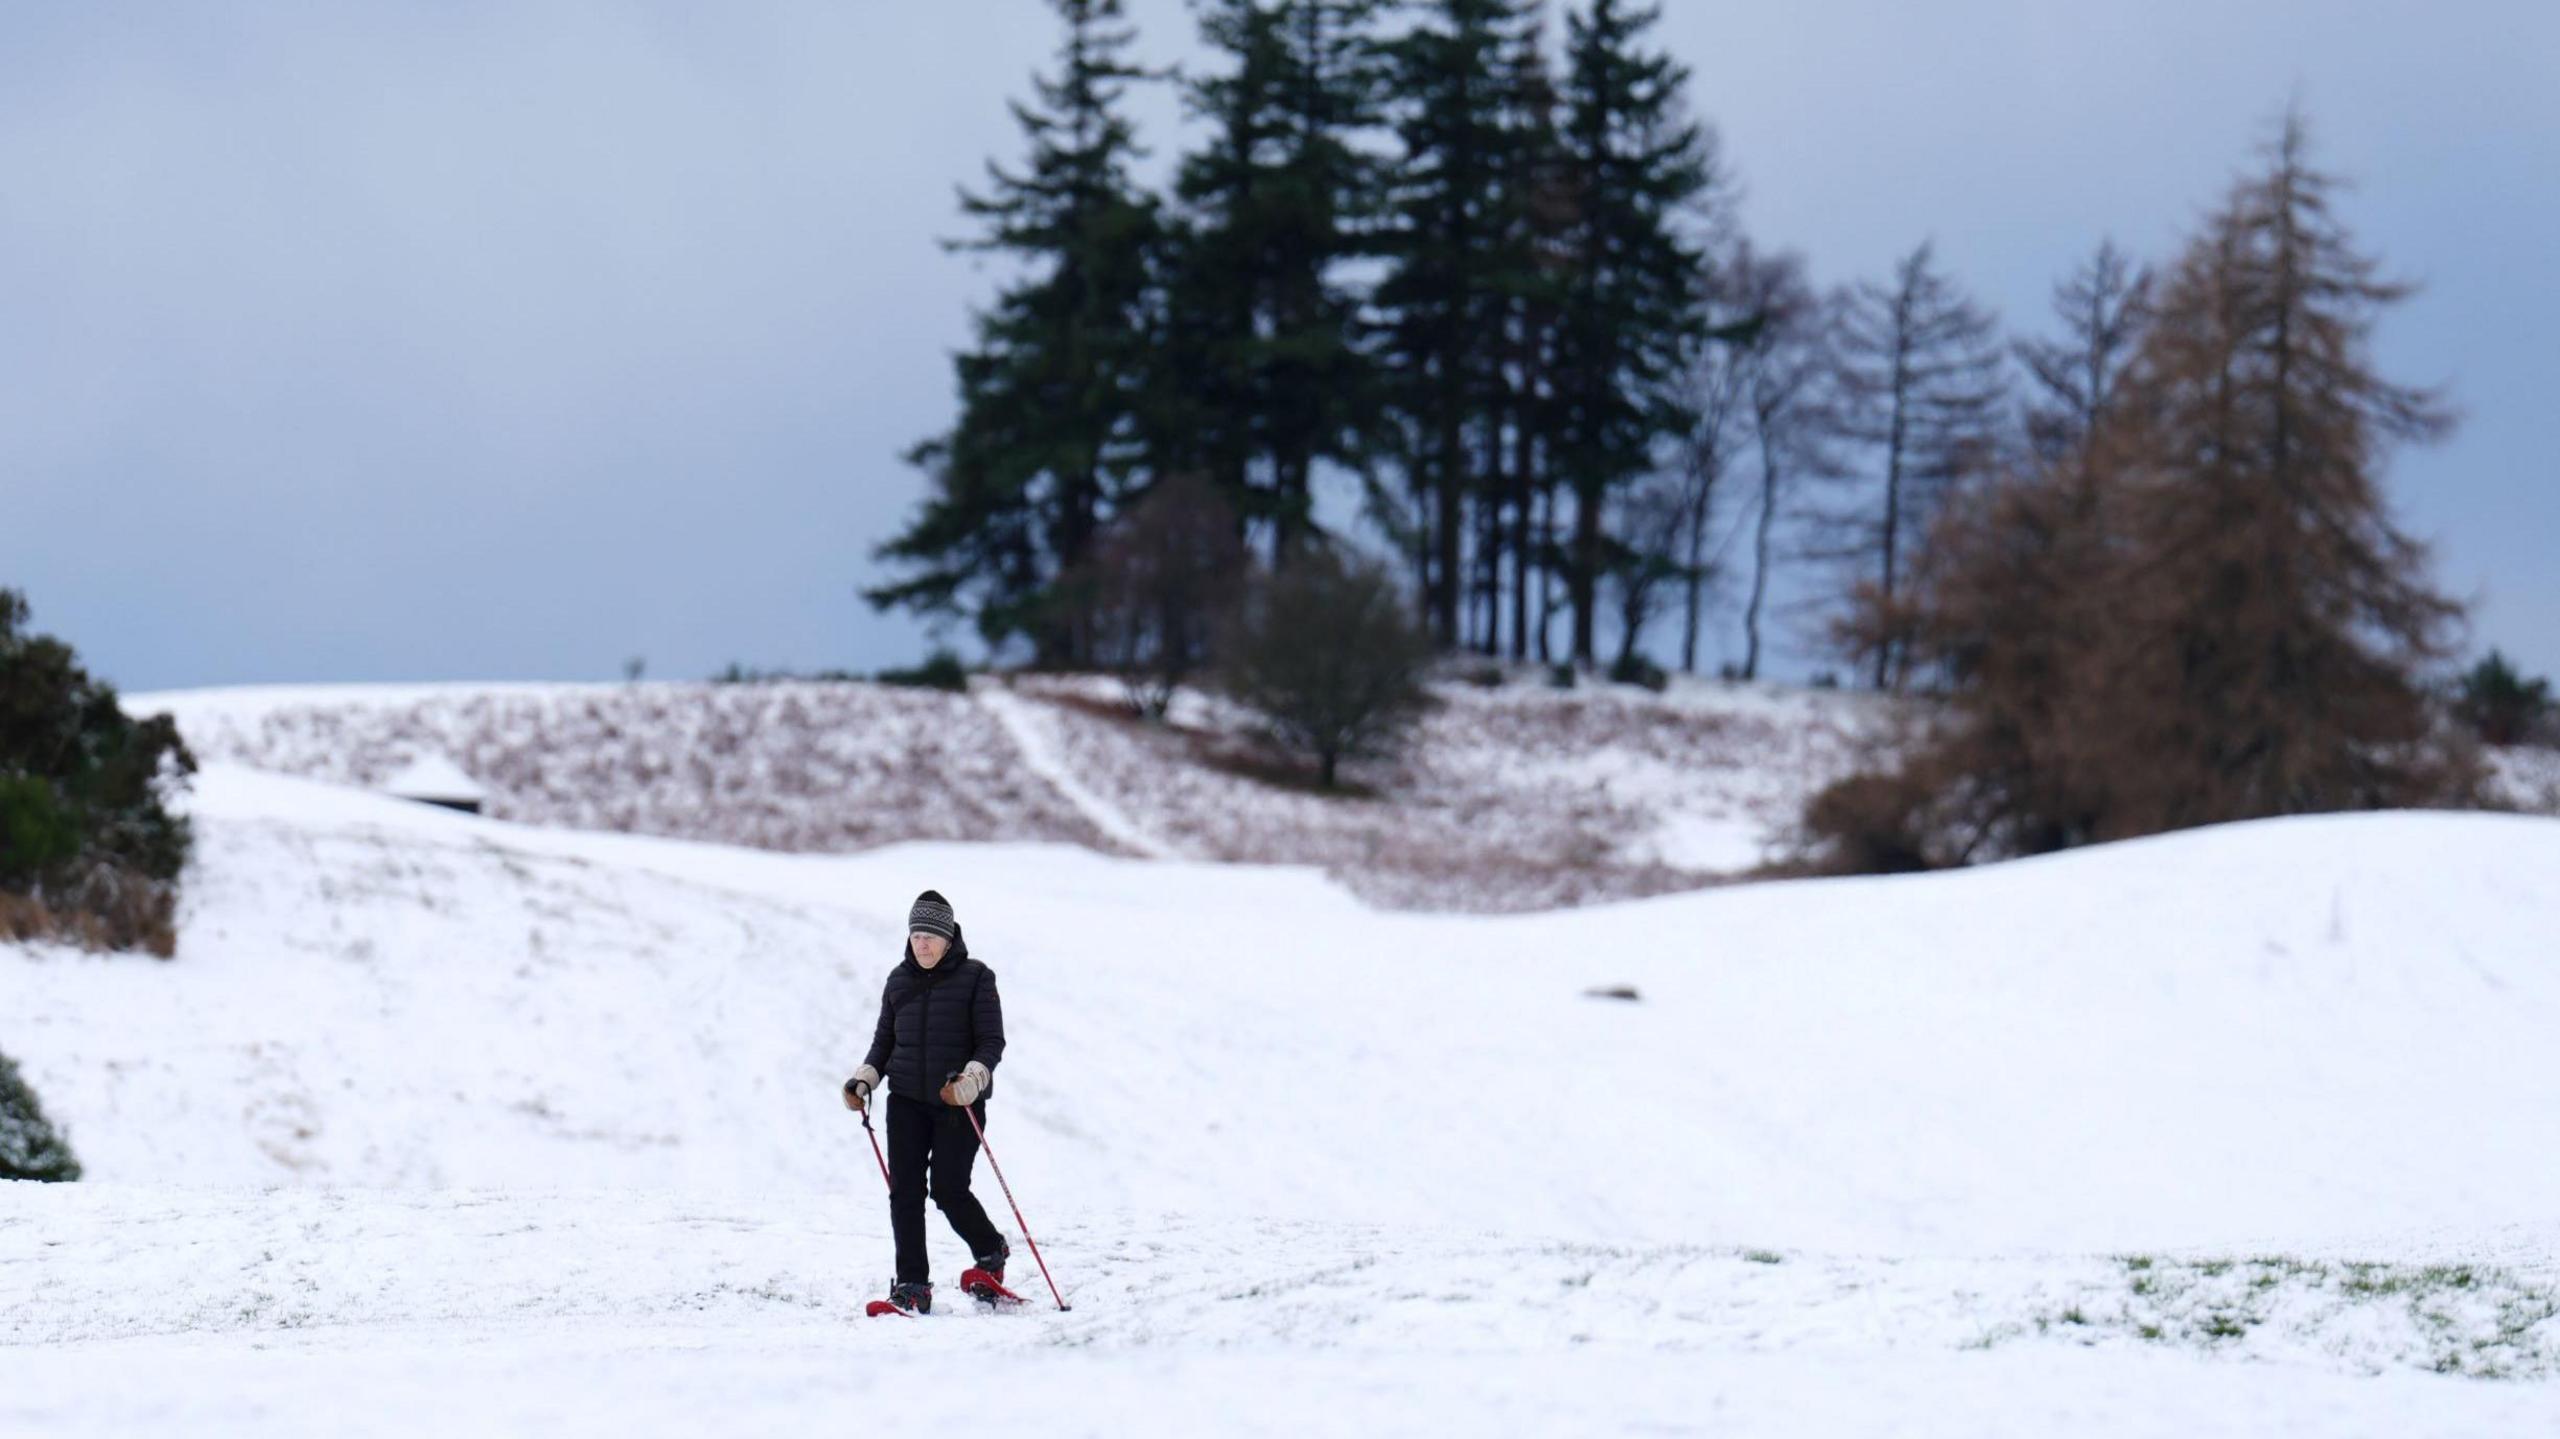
1327	652
88	848
1635	669
1873	823
941	670
29	1146
738	674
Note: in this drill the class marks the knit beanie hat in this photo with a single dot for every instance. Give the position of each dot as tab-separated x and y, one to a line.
932	914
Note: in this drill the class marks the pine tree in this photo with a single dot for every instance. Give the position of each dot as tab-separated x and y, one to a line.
1276	203
1923	388
1048	437
1453	263
2501	705
1534	214
1632	314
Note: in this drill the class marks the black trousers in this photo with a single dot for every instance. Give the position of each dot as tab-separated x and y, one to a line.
931	1148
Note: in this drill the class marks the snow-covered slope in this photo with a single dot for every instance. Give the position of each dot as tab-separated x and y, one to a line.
1513	798
1275	1138
2266	1032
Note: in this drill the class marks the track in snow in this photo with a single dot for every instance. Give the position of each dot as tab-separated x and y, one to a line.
1040	752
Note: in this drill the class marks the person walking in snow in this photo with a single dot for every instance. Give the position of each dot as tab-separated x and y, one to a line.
937	1043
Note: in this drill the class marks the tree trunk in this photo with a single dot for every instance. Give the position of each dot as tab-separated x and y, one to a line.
1759	565
1584	578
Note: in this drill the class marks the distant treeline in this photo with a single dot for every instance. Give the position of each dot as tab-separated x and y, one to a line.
1438	252
1499	279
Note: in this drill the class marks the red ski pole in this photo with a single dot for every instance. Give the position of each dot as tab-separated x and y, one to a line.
1017	1208
875	1145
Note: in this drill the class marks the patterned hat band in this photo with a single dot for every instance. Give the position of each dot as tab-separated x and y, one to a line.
932	916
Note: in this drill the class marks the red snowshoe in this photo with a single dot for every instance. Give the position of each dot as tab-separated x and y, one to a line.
987	1289
907	1299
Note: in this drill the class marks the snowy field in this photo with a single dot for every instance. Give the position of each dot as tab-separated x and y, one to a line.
448	1125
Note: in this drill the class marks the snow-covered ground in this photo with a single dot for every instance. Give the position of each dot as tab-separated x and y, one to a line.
443	1124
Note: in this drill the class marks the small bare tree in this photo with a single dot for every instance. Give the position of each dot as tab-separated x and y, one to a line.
1655	524
1327	652
1719	396
1789	367
2080	376
1157	586
1923	385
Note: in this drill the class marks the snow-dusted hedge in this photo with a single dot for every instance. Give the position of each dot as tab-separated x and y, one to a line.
29	1146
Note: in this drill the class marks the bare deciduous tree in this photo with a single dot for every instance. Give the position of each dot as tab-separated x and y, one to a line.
1151	596
1789	367
1923	382
2079	377
2201	610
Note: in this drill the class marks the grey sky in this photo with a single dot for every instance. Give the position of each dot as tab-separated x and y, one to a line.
500	340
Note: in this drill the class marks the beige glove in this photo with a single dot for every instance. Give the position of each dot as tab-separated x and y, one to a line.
964	1091
857	1090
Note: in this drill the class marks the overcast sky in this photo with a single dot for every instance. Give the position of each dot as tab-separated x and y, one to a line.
512	340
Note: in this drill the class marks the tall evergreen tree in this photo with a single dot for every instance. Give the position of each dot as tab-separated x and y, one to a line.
1453	262
1277	202
1048	436
1923	386
1535	208
1632	314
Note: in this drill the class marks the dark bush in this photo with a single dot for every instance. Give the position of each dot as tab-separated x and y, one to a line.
1874	823
1637	670
88	848
941	671
738	674
1326	650
29	1147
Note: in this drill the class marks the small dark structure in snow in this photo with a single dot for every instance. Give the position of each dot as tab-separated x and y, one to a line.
433	779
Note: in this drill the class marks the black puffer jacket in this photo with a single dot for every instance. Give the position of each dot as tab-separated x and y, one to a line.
933	1021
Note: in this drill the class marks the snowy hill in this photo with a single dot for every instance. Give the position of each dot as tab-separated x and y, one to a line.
1511	798
555	1103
